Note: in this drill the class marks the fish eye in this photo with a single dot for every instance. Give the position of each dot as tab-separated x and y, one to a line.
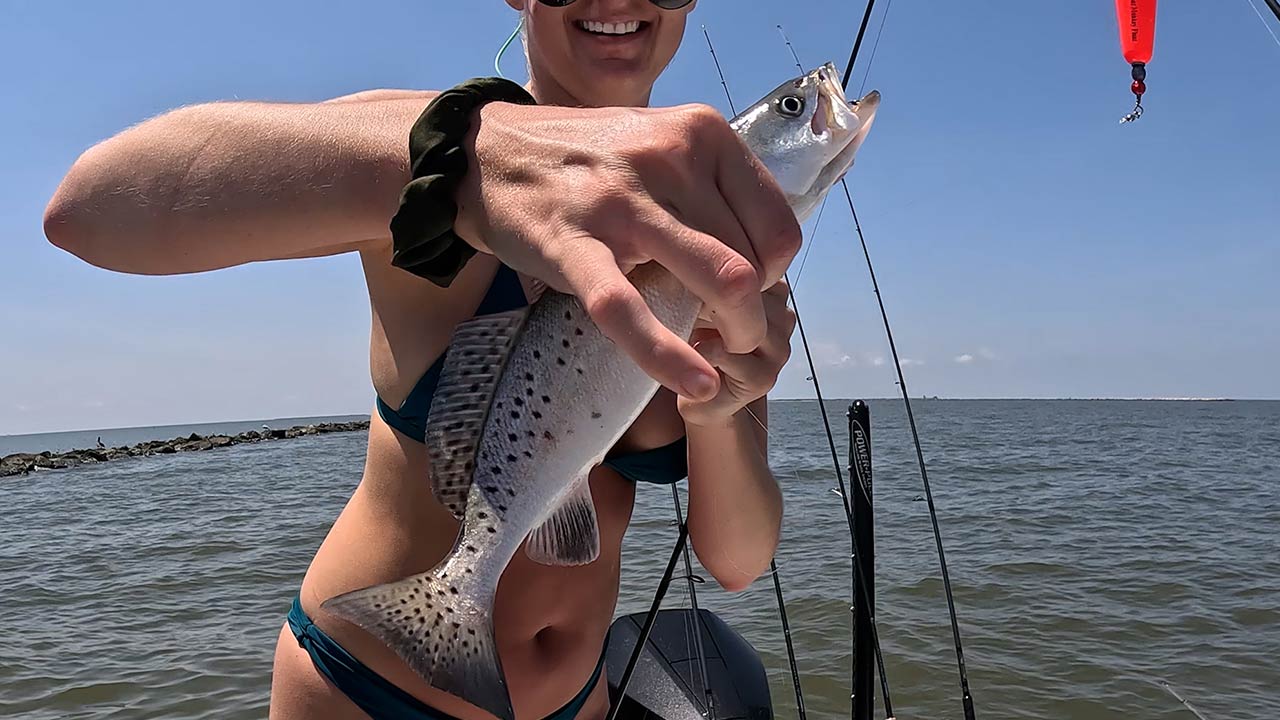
791	105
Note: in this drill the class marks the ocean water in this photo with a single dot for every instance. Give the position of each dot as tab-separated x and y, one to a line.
1096	549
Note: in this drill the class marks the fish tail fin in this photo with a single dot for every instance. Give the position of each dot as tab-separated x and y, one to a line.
441	624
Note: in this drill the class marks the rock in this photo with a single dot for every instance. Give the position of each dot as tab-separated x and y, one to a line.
23	463
55	462
17	464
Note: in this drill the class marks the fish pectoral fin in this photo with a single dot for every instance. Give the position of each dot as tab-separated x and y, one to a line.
570	536
442	627
473	365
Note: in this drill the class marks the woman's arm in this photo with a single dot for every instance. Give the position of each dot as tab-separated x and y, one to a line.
735	506
222	184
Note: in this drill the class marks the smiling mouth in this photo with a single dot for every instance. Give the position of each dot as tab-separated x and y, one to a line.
623	29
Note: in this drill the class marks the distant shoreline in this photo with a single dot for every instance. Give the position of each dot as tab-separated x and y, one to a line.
25	463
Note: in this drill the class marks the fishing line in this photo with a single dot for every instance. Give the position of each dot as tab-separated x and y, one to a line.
884	17
858	581
966	695
1275	8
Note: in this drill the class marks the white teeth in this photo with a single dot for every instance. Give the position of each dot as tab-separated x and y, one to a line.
622	28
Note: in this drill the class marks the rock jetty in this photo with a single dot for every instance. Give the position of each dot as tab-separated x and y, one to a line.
23	463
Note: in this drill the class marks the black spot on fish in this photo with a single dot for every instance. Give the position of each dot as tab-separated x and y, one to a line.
515	414
484	369
530	433
528	391
453	590
518	401
471	631
456	625
468	353
502	508
565	342
537	355
579	370
377	606
512	437
577	331
491	530
482	515
498	405
537	415
528	376
497	470
546	399
568	315
560	361
546	435
595	416
471	548
403	601
511	458
528	454
468	571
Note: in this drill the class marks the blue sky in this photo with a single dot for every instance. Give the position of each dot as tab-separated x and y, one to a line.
1027	245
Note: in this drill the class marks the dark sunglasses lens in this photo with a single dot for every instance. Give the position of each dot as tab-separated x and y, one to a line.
556	3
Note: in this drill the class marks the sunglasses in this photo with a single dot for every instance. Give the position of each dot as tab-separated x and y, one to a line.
664	4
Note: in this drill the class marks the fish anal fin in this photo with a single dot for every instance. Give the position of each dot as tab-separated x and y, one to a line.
570	536
473	366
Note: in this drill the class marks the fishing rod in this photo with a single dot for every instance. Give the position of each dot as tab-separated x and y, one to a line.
966	695
693	580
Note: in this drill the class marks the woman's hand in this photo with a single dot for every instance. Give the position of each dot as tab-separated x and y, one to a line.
577	197
744	377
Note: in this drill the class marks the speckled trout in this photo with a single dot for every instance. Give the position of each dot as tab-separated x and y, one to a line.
529	401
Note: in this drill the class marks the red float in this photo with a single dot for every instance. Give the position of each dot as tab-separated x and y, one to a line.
1137	21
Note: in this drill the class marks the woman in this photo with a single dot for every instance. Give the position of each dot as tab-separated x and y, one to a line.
573	192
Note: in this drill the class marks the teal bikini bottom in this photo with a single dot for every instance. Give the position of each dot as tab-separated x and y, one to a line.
373	693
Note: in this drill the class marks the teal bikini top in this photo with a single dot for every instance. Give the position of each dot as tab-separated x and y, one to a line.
661	466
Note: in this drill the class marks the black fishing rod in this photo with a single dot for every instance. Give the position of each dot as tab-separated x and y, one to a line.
693	580
1275	7
649	620
966	695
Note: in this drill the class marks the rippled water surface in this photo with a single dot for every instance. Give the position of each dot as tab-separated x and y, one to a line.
1095	549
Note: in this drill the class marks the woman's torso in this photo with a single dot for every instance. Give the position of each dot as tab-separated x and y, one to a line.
550	621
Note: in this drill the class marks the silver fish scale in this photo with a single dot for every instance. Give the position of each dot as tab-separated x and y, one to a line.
566	392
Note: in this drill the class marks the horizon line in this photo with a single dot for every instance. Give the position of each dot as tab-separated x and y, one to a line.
776	399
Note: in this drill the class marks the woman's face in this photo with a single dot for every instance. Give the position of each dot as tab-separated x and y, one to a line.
600	52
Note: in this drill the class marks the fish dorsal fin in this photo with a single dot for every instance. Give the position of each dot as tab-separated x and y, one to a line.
476	357
570	536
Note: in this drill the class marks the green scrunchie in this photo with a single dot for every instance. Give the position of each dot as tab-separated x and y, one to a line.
422	229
